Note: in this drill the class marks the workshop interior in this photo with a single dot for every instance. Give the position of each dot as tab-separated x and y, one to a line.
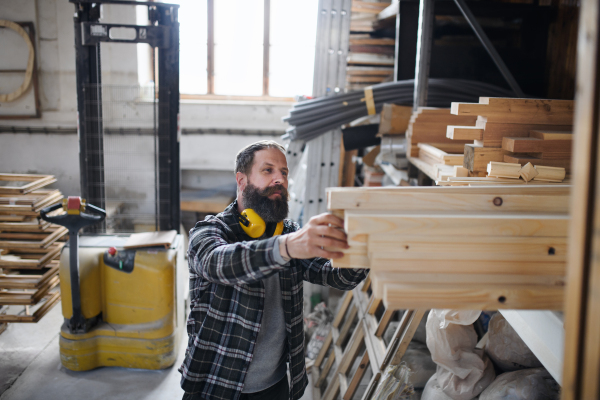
456	139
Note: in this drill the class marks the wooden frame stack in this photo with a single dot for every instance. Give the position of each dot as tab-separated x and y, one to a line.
364	347
482	248
500	118
494	130
29	247
370	59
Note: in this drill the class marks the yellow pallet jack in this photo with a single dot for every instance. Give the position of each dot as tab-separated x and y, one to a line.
122	307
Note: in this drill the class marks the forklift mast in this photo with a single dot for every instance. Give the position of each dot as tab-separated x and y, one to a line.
163	34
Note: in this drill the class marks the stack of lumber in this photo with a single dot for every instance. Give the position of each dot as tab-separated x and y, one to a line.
507	173
515	131
458	247
428	125
370	59
428	147
394	119
29	246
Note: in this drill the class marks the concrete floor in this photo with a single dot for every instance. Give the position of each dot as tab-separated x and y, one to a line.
30	369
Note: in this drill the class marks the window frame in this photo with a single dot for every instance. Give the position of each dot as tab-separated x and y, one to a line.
210	69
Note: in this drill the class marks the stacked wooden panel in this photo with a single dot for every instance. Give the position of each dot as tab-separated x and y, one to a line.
29	247
458	247
514	131
428	147
370	59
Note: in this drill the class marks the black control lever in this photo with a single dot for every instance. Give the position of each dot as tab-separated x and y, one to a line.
78	216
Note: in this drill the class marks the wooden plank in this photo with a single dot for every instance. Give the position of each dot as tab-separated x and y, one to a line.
394	119
474	297
325	370
550	174
566	164
551	135
11	297
359	225
464	132
432	247
503	170
357	377
383	263
478	157
50	301
384	322
25	226
324	348
580	367
451	278
35	244
518	111
406	336
32	182
369	59
28	281
368	40
493	132
504	199
347	300
535	145
347	325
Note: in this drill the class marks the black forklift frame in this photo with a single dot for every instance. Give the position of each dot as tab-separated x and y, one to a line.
163	34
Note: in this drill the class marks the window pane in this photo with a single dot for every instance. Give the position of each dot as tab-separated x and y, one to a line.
239	26
292	54
192	41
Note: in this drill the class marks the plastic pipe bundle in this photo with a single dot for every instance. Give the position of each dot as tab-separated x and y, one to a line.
312	118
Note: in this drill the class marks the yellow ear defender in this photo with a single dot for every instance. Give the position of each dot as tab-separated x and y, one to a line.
255	226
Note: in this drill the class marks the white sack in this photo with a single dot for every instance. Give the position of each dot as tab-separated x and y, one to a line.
526	384
463	372
506	348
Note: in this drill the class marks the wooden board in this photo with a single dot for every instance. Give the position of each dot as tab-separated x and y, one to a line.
493	132
551	135
518	111
25	281
517	199
478	157
464	132
560	163
41	241
23	183
33	225
27	297
49	301
535	145
473	296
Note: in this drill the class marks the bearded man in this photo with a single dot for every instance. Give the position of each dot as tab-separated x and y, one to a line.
246	325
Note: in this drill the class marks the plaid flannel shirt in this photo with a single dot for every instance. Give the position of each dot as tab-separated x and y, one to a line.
227	300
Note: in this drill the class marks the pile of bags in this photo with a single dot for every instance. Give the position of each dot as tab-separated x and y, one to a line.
465	372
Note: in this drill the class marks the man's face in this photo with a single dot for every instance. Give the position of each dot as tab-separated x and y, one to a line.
265	188
269	169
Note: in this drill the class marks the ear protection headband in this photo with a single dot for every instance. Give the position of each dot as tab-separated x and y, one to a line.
255	226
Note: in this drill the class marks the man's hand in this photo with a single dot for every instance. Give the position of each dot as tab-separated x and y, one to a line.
324	230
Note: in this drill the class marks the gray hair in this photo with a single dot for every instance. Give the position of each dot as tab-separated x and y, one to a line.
245	157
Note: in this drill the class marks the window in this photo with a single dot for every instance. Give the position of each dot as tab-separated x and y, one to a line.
223	52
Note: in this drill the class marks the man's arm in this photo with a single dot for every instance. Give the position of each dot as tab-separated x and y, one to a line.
320	272
215	259
308	245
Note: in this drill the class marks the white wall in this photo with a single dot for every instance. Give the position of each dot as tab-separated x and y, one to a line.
58	154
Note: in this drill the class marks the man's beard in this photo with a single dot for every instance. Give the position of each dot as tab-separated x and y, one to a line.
269	210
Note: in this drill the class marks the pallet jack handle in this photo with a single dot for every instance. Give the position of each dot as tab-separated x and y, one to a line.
78	215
